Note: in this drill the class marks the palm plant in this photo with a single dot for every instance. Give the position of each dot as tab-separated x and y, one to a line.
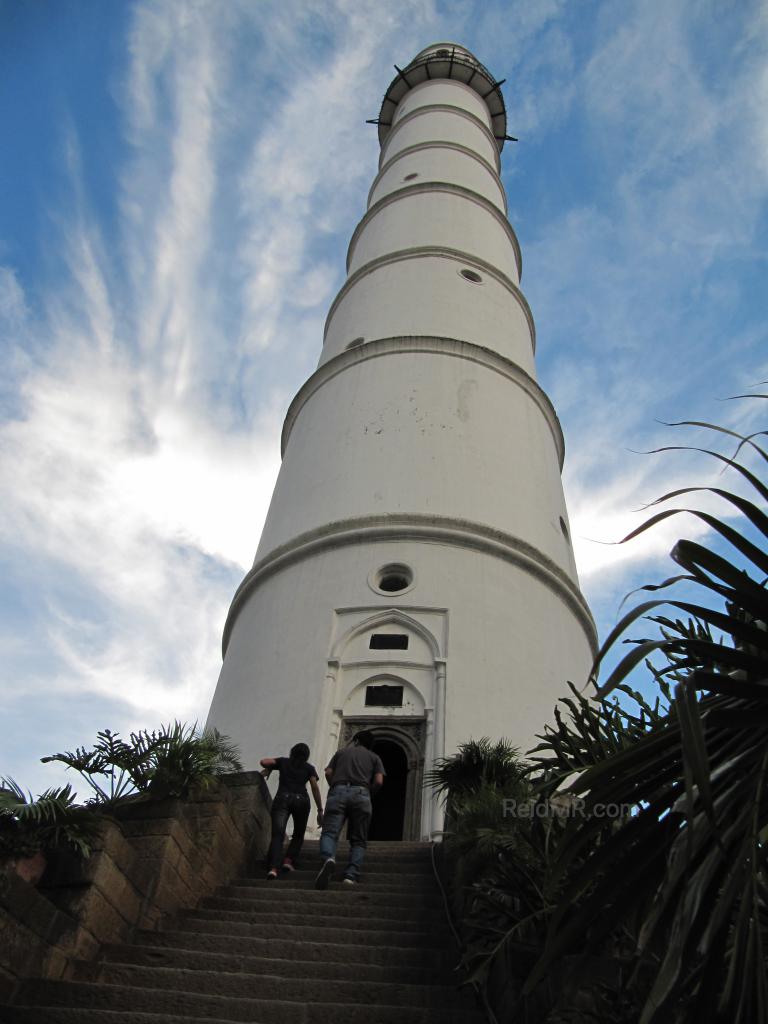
478	782
171	761
112	768
28	825
590	731
688	868
475	764
184	759
512	862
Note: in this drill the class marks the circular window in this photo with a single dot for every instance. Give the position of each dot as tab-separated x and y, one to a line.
395	578
471	275
410	177
355	342
564	528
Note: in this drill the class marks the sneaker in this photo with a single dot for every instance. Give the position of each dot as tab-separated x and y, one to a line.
271	875
349	881
288	865
325	874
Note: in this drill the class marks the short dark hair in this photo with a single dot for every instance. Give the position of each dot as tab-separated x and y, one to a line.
364	738
299	753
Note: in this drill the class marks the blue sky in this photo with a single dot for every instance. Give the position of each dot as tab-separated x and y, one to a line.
178	184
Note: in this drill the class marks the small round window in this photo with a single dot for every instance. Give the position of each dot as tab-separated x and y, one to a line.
356	342
410	177
471	275
395	578
564	528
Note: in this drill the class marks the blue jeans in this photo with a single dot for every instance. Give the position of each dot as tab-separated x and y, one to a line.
285	806
352	803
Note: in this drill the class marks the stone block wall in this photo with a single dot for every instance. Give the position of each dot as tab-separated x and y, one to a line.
34	934
154	859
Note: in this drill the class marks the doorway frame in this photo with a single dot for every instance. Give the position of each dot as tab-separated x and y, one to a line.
410	734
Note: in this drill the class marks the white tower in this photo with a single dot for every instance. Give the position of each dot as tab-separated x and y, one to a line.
415	573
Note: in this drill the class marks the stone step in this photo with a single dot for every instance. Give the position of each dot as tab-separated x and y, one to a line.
337	896
211	921
265	986
378	848
241	944
310	856
196	1006
389	875
395	848
360	910
395	883
74	1015
432	973
271	918
371	866
279	953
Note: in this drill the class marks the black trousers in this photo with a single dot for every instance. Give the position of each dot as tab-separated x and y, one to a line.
285	806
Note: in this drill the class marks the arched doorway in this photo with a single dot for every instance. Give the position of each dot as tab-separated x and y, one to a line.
389	802
399	742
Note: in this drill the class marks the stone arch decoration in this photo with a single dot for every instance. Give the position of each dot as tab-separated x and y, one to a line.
420	734
411	736
387	617
388	678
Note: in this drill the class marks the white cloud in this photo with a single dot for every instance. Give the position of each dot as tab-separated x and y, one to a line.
132	513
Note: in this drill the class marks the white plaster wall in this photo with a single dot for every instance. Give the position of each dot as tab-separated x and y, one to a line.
422	433
414	219
438	163
511	646
447	92
427	295
428	125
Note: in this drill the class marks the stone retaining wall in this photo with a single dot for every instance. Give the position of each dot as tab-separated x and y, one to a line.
156	858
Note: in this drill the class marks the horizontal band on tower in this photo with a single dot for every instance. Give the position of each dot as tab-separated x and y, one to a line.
442	108
417	527
417	252
452	347
437	186
421	147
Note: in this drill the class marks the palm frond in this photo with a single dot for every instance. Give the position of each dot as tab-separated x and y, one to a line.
52	819
689	864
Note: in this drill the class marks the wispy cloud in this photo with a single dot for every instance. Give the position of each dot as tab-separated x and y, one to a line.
138	460
640	294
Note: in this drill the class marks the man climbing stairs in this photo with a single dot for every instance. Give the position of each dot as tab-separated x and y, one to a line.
279	952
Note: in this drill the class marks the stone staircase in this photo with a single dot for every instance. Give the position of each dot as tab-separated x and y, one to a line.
279	953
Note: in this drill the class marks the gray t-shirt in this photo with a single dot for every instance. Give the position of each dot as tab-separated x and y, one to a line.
356	765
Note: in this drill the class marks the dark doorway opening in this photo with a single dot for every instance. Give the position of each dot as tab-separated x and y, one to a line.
389	802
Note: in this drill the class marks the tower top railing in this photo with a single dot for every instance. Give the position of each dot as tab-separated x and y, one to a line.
446	60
